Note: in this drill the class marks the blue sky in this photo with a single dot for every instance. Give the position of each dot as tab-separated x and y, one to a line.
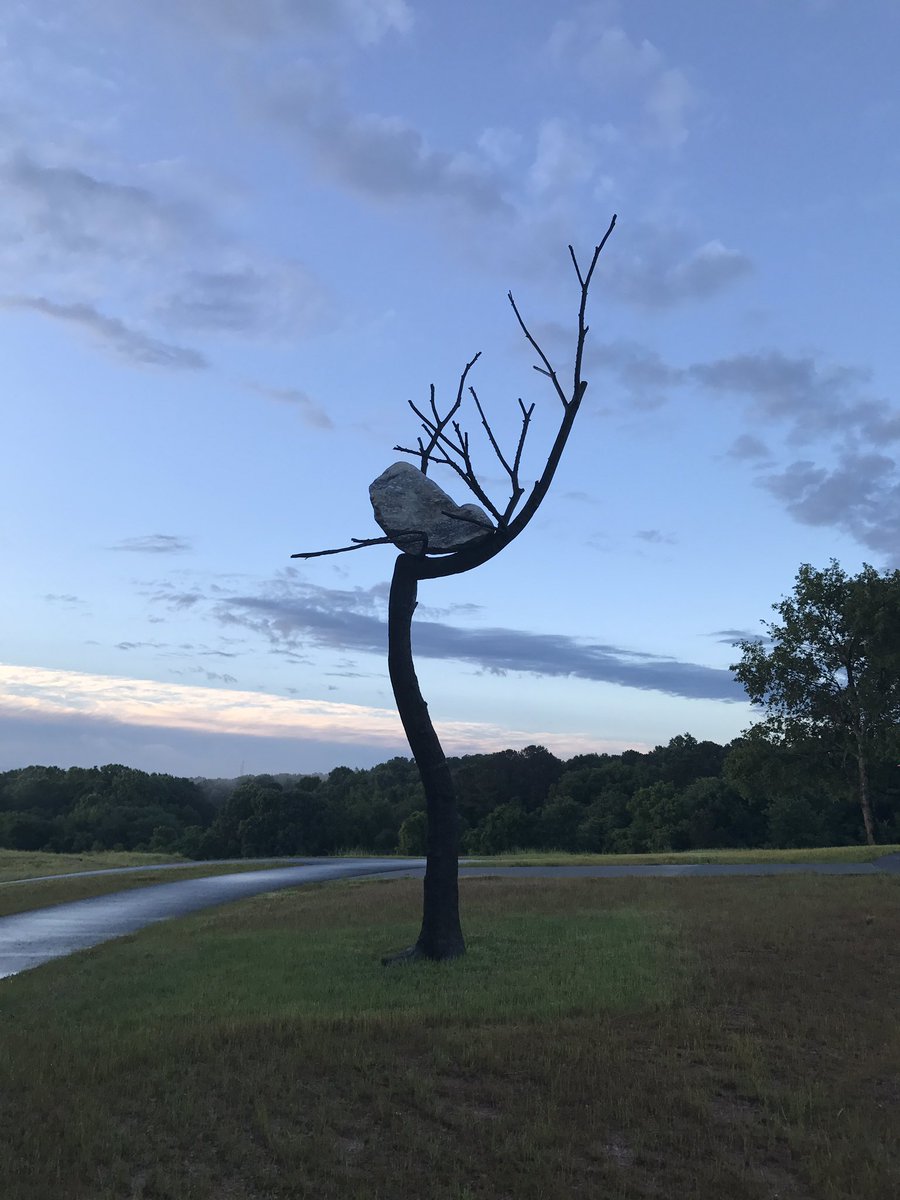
236	239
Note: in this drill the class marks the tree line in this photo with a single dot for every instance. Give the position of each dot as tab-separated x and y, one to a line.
688	794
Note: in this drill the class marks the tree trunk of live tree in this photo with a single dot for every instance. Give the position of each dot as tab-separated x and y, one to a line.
441	935
864	802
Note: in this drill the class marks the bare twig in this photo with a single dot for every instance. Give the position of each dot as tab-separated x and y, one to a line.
517	489
490	433
358	544
436	428
577	268
585	286
547	368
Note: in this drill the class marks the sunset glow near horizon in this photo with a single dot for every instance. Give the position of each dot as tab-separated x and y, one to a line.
237	238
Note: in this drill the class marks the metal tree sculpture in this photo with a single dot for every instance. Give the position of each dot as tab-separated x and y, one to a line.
427	556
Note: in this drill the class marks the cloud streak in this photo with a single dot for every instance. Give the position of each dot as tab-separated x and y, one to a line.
154	543
111	333
311	413
74	236
302	614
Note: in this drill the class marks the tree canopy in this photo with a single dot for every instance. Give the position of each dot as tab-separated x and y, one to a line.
829	670
684	795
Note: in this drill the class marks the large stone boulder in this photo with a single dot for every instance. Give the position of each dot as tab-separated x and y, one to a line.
408	504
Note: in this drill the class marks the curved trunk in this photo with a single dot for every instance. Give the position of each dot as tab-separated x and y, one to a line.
441	934
864	802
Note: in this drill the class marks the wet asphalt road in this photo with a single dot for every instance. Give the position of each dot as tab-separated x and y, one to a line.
29	939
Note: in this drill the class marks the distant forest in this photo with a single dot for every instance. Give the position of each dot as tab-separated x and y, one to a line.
686	795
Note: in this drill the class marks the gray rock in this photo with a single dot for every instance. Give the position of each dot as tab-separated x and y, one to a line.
408	504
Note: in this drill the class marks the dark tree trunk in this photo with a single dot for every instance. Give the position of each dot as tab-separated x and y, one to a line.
441	934
864	802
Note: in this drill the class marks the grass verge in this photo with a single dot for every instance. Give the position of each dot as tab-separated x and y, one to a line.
621	1038
557	858
23	864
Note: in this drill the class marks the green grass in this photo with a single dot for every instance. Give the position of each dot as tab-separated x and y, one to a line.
602	1038
23	864
546	858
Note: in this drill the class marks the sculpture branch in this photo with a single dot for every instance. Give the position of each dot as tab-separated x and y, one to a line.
358	544
517	489
547	368
585	287
440	446
490	433
437	428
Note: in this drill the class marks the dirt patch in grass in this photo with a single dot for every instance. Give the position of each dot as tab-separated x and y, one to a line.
621	1038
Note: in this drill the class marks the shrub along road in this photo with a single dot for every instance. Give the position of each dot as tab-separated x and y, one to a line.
31	938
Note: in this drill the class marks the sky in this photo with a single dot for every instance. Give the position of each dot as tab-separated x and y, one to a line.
238	239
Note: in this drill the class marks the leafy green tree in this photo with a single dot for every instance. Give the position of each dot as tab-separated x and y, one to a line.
794	822
658	819
685	760
39	790
24	831
558	825
806	774
605	823
831	669
507	827
411	839
716	816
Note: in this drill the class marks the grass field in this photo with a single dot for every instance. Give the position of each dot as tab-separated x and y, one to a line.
704	1038
547	858
23	864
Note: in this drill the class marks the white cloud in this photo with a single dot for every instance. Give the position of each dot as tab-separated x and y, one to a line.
366	21
62	220
373	19
860	495
382	157
849	479
74	239
36	692
657	268
669	101
500	145
630	70
564	158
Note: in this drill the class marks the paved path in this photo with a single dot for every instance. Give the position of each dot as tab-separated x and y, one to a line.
32	938
184	865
